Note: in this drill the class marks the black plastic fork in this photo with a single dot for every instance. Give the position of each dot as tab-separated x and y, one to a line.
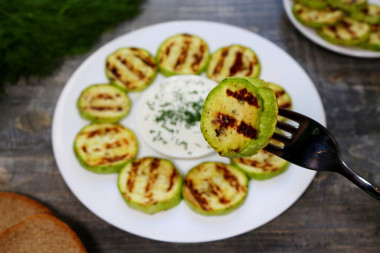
311	146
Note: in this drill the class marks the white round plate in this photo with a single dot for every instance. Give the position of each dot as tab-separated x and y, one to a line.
99	193
311	34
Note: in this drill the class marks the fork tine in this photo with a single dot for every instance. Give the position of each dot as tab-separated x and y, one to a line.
281	138
286	127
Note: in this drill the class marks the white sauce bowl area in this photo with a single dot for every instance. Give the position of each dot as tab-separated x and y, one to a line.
169	116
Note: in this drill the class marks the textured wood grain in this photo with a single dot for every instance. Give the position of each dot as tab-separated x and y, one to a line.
333	215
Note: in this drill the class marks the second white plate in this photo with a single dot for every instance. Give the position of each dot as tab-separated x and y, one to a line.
311	34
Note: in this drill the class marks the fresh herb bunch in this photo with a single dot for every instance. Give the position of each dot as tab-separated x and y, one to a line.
36	35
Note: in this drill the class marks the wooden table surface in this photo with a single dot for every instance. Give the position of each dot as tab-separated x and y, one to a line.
333	215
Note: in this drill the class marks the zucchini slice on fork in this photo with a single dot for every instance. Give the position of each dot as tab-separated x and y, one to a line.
183	54
239	116
150	184
131	68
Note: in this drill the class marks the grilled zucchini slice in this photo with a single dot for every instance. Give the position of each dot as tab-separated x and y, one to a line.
132	69
348	32
105	148
348	5
183	54
150	184
315	4
234	60
316	17
239	116
103	103
370	14
214	188
283	98
373	41
261	166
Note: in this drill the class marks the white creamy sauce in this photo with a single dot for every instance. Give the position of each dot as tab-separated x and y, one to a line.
169	116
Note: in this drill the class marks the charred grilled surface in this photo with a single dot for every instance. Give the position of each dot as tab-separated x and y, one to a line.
150	184
183	54
215	188
132	69
234	60
103	103
105	145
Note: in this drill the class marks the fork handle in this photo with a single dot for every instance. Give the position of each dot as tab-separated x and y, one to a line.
366	186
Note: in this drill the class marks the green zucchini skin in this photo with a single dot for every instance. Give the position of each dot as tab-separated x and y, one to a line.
348	5
315	4
143	174
94	140
130	68
335	34
373	41
261	166
233	61
239	116
316	18
183	54
214	188
370	14
103	103
283	98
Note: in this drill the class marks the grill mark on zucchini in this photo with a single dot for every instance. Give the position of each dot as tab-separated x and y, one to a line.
198	58
173	176
152	176
229	177
133	174
238	64
243	95
183	55
265	166
202	201
247	130
220	63
225	121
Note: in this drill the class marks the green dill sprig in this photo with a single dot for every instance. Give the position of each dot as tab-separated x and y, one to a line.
36	35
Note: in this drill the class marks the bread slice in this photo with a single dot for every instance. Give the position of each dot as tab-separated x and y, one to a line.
15	207
40	233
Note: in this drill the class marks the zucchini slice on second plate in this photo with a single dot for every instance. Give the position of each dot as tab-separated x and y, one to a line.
348	32
234	60
150	184
261	166
348	5
132	69
373	41
105	148
239	116
316	17
183	54
370	14
103	103
214	188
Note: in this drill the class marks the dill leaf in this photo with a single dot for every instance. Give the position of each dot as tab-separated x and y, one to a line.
36	35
